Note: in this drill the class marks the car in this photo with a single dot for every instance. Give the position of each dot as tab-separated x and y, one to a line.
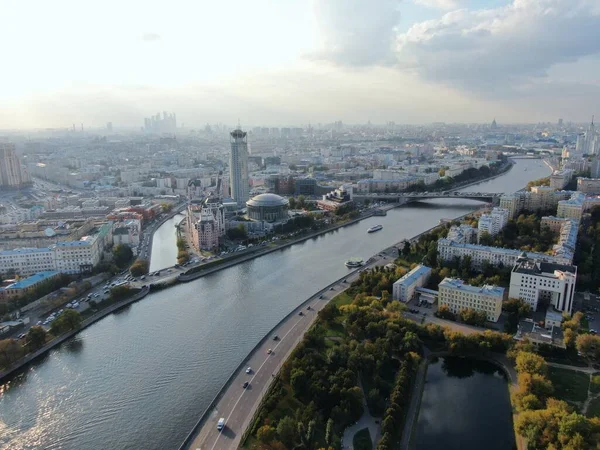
308	307
39	322
143	277
249	370
221	423
300	313
245	385
321	296
275	338
21	336
331	288
269	351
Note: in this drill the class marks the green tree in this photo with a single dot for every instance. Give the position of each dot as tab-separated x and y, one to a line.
589	346
531	363
122	254
67	321
266	434
286	430
10	351
36	338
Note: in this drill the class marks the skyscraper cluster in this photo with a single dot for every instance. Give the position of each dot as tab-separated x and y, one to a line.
167	123
588	143
238	167
12	174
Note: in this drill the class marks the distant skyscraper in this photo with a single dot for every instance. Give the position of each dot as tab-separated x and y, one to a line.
238	167
588	143
157	124
109	126
11	172
494	125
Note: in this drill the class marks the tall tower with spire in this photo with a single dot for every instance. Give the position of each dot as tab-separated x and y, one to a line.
238	167
494	125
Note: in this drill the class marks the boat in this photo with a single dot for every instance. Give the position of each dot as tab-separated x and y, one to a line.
375	228
354	262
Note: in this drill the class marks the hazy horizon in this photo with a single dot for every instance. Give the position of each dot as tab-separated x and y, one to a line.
300	62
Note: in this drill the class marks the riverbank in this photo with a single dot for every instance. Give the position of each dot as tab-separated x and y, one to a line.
176	210
23	362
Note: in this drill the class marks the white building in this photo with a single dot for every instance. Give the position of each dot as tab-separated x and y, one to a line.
457	295
589	186
540	198
576	206
207	231
26	261
463	234
560	178
238	168
492	223
533	281
479	254
404	288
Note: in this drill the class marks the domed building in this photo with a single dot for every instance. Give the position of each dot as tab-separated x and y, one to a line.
267	207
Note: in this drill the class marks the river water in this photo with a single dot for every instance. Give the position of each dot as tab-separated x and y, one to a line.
465	406
164	245
141	378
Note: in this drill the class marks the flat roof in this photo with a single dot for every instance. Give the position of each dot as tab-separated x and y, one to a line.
33	279
455	283
412	276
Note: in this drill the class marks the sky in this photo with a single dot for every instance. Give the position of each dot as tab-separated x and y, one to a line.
294	62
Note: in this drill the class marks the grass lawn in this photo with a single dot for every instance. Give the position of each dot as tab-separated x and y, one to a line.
595	386
362	440
585	324
569	385
594	408
341	299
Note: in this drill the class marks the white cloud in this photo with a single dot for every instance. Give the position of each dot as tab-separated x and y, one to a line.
356	32
500	49
440	4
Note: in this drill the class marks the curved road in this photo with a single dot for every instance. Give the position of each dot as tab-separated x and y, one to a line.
238	405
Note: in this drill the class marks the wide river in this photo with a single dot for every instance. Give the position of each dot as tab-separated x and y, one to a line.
142	378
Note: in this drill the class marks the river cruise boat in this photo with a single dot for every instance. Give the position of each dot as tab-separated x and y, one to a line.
354	262
375	228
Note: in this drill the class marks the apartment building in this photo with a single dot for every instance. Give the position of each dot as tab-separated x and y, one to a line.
560	178
27	261
589	186
493	222
463	234
576	206
534	281
457	295
539	198
404	288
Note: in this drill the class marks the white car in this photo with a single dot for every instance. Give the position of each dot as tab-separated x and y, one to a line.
249	370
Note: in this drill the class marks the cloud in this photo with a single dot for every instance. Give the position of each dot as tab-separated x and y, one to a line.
498	49
356	32
440	4
151	37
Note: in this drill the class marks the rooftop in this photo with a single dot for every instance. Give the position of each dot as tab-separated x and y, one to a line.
267	200
412	276
455	283
33	279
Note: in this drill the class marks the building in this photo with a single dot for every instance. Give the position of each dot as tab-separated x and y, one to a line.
12	174
492	223
538	199
27	261
553	319
560	178
589	186
267	207
463	234
496	256
26	285
576	206
157	124
588	143
528	330
238	167
207	232
534	281
404	288
457	295
336	199
554	223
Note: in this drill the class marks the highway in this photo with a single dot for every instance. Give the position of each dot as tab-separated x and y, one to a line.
238	405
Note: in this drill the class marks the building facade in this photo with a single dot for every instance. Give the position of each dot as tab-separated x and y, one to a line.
267	207
457	295
492	223
404	288
589	186
532	281
12	174
238	167
560	178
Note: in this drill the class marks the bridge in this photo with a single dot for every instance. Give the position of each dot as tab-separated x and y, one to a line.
405	197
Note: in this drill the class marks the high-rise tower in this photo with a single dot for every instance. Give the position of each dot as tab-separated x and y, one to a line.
11	172
238	167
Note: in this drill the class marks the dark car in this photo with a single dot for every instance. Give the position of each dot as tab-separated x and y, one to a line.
245	385
300	313
275	338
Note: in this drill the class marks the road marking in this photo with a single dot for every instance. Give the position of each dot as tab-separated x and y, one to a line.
255	374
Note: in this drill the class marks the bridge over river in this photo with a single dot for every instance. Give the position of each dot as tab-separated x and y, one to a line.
406	197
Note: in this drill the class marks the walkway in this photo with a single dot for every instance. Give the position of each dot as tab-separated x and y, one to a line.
365	421
588	370
415	402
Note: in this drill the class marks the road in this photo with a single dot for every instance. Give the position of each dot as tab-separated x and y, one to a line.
238	405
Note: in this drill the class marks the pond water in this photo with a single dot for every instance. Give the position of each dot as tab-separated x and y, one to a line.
465	406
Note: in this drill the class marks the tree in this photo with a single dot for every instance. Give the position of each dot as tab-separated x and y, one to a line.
67	321
589	346
406	249
444	312
266	434
472	317
237	232
286	430
122	254
36	338
531	363
139	267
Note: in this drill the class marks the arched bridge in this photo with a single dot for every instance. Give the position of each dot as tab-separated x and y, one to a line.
404	197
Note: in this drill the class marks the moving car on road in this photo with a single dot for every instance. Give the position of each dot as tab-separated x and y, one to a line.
221	423
249	370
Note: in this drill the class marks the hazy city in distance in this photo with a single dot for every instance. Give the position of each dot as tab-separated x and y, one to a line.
300	225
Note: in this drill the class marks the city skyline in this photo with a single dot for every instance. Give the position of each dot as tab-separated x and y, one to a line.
412	62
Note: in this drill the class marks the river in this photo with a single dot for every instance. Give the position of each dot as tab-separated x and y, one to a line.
164	245
465	406
142	377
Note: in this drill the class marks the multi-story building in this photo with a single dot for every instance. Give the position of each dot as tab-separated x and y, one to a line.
492	223
27	261
404	288
496	256
554	223
207	232
12	174
336	199
457	295
576	206
238	167
532	281
463	234
26	285
540	198
560	178
589	186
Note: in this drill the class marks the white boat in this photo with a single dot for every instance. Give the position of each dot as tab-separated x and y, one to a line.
354	262
375	228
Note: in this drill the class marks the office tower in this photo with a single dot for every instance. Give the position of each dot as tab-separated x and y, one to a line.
11	172
238	167
157	124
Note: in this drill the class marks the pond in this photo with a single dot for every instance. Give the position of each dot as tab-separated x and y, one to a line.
465	406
